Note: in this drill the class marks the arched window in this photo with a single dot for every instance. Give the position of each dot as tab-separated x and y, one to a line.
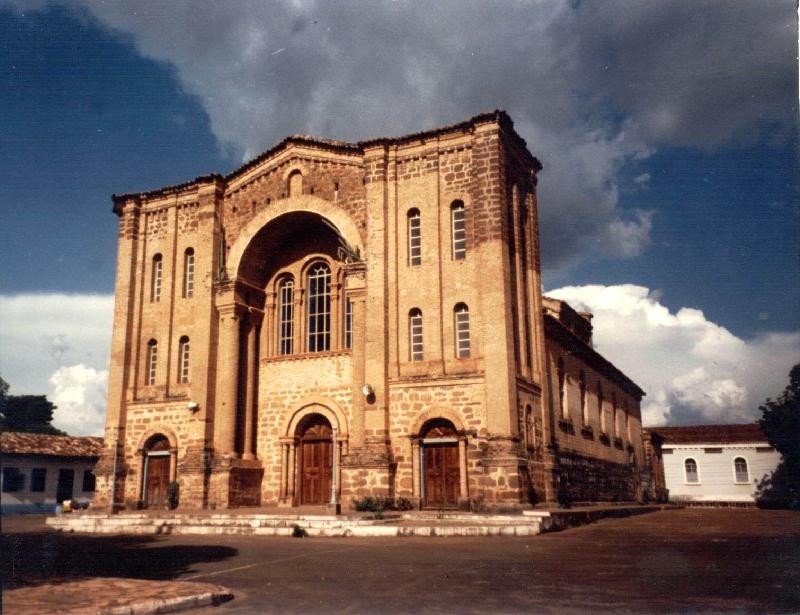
414	238
415	334
183	360
740	468
600	401
155	283
286	316
584	406
188	273
319	308
458	230
295	183
152	363
690	466
461	313
562	387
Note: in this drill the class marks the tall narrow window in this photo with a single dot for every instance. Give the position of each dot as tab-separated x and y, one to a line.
458	230
584	406
600	401
562	387
690	466
152	363
415	334
740	467
414	238
348	323
286	316
614	427
627	420
38	479
183	360
155	285
319	308
462	331
188	273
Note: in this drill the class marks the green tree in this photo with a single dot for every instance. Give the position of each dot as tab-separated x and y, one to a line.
27	413
780	422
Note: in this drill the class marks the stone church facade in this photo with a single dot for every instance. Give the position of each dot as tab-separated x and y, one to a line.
334	320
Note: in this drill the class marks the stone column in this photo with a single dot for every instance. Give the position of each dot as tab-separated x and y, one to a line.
355	281
462	466
251	385
227	381
415	469
284	490
292	471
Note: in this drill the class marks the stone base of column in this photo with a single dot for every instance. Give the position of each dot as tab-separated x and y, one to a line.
366	471
235	482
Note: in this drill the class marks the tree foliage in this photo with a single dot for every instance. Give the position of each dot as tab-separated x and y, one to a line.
26	413
780	422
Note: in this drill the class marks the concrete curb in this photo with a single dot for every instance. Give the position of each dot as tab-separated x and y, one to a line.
169	605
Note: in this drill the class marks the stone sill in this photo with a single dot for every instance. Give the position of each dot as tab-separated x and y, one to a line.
305	356
566	425
587	432
618	443
605	439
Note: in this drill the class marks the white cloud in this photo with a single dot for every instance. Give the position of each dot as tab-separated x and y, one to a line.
79	393
63	340
693	370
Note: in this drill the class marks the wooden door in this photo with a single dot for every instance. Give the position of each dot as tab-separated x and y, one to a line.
157	481
317	471
442	475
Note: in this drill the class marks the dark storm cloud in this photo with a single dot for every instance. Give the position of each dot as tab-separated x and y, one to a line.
592	86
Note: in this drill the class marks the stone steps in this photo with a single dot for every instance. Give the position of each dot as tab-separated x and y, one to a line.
285	525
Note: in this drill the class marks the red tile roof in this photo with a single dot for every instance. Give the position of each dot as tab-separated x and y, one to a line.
17	443
710	434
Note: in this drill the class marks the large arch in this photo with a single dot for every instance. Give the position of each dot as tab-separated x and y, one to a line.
437	412
304	203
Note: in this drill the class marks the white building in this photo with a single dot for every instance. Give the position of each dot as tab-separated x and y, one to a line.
715	463
39	471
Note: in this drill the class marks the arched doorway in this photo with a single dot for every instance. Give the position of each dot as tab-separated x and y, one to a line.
156	472
441	471
316	459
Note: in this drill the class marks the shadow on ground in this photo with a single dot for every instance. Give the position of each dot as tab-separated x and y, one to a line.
44	556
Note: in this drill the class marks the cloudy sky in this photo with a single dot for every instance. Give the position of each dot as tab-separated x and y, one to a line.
668	132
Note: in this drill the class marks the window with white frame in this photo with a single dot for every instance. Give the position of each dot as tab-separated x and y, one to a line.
188	273
690	468
459	231
183	360
415	334
414	238
348	323
157	273
740	468
319	308
286	316
461	313
152	363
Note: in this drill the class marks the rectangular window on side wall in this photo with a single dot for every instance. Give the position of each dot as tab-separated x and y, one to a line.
13	479
462	331
38	479
415	335
88	481
414	238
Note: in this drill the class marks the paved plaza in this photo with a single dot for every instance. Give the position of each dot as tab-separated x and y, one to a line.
692	560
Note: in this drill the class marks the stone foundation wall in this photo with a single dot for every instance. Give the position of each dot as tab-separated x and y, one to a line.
587	479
